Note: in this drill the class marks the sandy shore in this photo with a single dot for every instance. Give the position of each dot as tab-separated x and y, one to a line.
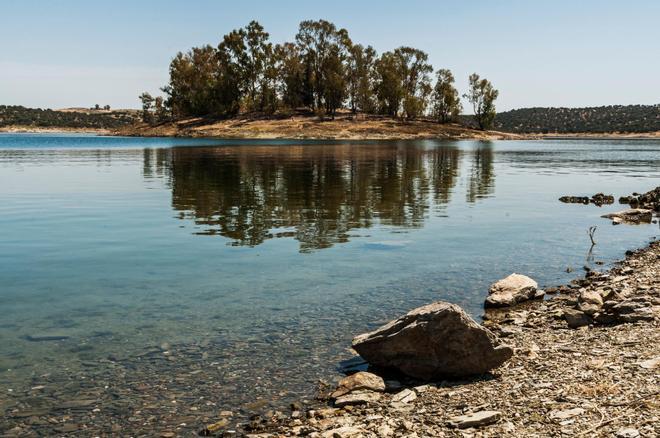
598	380
311	128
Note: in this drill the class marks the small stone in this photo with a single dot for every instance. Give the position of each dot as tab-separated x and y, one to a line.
476	419
627	432
576	318
405	396
566	414
384	430
651	363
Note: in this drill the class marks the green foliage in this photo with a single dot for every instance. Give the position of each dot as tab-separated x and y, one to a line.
45	118
323	70
482	96
360	78
613	118
403	82
446	101
147	103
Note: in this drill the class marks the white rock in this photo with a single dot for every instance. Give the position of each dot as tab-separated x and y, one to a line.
511	290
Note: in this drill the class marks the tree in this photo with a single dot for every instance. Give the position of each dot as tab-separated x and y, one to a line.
106	107
323	50
446	102
290	74
416	80
160	110
258	57
97	107
482	96
334	87
359	78
403	82
192	90
389	87
147	102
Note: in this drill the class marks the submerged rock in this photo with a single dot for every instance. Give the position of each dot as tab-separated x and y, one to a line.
512	290
433	341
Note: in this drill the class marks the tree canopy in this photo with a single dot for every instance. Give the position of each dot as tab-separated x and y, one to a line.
322	70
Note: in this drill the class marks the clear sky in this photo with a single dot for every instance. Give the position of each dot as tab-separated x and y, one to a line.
537	53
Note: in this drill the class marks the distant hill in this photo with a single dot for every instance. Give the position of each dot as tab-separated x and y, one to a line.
69	118
602	119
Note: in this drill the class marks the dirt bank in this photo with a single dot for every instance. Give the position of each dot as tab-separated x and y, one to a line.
344	127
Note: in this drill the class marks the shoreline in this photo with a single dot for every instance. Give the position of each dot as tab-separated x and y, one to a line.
309	128
596	380
53	130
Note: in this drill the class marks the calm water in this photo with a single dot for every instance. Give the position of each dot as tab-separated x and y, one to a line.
255	262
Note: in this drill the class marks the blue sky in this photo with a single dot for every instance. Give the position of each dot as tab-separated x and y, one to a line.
555	53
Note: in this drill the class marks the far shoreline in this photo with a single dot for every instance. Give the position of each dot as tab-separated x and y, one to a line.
313	129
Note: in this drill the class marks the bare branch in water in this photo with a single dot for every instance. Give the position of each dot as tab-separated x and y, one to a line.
591	232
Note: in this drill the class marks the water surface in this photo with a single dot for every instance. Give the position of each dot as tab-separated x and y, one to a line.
240	270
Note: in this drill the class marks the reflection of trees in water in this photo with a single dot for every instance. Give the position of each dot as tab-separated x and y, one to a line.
482	177
313	193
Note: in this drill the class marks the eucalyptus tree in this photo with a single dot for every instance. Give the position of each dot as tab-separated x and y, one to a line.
416	80
256	62
290	74
323	50
446	101
403	82
193	77
482	96
360	78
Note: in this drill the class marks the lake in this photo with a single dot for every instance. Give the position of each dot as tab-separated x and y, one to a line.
174	278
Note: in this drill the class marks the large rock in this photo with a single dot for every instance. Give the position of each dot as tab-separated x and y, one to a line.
631	216
431	342
511	290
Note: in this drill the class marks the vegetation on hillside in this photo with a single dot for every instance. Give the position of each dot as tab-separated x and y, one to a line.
47	118
323	70
613	118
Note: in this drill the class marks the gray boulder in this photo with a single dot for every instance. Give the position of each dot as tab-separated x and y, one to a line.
431	342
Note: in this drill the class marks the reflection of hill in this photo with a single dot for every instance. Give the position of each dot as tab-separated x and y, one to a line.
314	193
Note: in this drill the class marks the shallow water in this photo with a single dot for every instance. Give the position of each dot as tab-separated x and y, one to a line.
255	262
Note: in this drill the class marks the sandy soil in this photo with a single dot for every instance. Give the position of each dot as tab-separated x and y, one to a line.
307	127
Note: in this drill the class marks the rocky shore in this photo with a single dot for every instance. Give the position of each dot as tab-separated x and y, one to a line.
586	362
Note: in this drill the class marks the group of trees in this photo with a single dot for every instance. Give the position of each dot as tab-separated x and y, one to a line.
322	70
15	115
612	118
